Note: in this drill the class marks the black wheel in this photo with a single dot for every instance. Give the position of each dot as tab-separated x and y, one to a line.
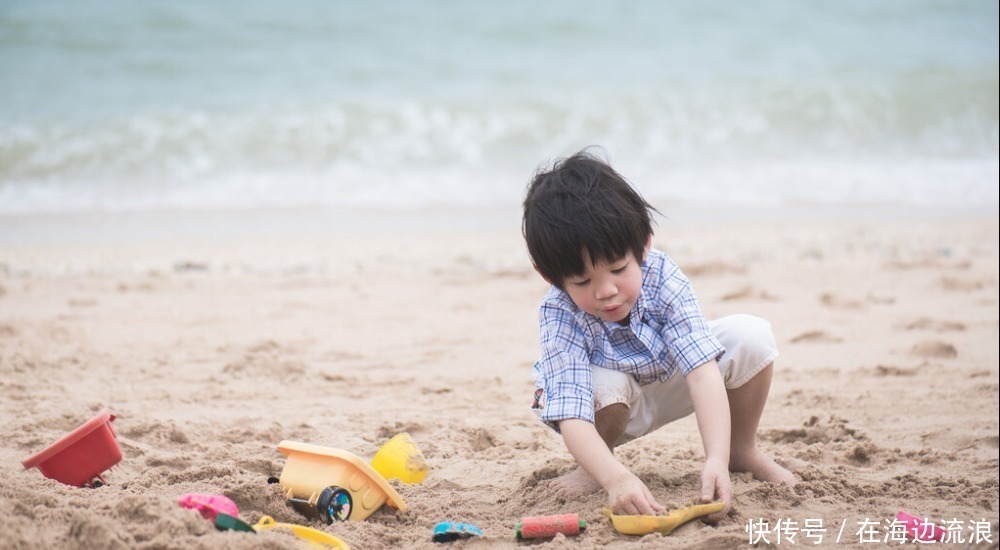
334	504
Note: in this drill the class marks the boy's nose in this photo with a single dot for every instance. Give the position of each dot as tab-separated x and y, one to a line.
606	290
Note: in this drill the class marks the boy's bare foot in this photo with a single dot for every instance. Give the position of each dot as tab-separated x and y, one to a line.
578	482
762	467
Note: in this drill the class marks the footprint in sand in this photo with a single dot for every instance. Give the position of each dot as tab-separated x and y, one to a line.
712	268
881	300
172	462
748	292
965	285
926	323
386	431
929	263
832	300
958	440
817	430
513	273
190	266
885	370
481	439
159	432
815	336
435	390
266	359
934	349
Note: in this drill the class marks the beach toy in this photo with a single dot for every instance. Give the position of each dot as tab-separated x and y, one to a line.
209	505
313	536
332	484
401	459
449	531
643	525
920	529
537	527
224	522
79	457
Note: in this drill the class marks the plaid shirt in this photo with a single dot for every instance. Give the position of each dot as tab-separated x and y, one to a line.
666	333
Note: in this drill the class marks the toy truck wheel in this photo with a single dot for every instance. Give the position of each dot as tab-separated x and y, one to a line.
334	504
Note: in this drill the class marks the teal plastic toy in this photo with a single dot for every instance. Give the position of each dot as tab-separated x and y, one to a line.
448	531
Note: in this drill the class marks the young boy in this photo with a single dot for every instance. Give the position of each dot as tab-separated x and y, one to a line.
625	348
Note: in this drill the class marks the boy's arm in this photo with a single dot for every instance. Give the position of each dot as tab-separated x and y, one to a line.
711	409
627	494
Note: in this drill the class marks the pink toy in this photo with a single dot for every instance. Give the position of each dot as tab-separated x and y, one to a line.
919	529
209	505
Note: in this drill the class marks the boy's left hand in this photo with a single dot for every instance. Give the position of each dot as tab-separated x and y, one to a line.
716	485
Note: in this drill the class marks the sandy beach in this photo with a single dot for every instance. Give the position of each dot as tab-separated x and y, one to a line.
210	351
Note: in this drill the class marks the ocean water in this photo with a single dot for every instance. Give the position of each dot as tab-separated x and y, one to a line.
114	105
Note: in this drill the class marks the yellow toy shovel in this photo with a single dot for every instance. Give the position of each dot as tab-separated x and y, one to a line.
643	525
315	537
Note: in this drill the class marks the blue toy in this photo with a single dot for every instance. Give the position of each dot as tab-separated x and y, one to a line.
448	531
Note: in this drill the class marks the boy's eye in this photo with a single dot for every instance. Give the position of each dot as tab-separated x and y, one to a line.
619	270
580	283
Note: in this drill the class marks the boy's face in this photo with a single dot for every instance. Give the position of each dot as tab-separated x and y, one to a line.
608	290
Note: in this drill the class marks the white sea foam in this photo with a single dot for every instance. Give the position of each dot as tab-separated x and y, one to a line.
122	106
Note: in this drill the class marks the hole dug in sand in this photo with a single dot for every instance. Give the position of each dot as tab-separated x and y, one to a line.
934	349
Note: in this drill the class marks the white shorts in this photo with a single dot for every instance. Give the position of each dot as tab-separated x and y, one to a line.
750	346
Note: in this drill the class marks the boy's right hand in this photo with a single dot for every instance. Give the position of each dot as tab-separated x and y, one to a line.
628	495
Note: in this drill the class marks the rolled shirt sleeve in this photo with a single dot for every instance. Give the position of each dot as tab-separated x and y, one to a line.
564	370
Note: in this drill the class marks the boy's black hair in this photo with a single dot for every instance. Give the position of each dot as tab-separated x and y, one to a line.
581	203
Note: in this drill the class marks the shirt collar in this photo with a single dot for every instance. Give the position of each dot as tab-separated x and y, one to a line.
635	316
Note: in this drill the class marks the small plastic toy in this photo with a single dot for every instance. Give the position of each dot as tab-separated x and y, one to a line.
79	457
537	527
643	525
920	529
224	522
332	484
209	505
313	536
401	459
449	531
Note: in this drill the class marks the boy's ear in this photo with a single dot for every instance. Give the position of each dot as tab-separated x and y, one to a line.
645	250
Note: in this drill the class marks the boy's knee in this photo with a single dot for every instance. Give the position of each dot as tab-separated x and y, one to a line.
611	387
750	330
750	347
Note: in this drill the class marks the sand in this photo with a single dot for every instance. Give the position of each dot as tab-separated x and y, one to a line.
211	351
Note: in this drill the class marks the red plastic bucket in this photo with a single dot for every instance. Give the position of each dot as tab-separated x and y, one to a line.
81	455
